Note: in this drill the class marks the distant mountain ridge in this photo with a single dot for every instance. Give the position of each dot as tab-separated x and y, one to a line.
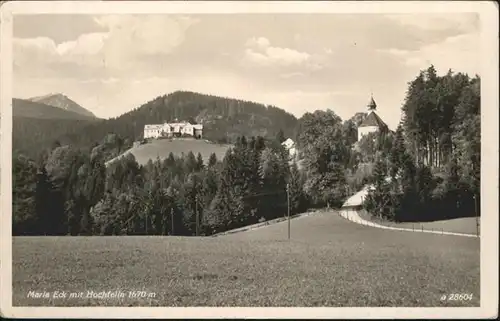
39	110
62	101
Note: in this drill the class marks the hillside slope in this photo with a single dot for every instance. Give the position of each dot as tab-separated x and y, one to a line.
162	148
31	136
62	102
37	126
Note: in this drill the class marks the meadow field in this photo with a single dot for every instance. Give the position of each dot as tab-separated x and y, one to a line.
328	261
163	147
466	225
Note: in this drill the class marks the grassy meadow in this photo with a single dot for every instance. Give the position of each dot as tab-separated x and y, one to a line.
465	225
163	147
329	261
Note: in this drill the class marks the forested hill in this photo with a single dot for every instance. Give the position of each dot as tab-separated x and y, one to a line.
224	119
36	126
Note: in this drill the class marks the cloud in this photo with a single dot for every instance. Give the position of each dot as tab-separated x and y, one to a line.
260	42
128	40
86	44
457	22
60	28
147	34
292	75
260	52
42	58
111	80
395	52
459	53
42	44
31	56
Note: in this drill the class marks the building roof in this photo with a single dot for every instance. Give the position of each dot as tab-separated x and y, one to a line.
373	120
153	126
289	142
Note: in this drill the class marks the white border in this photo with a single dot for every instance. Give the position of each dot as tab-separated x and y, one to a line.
489	168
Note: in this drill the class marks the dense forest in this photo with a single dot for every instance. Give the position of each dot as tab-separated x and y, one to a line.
223	119
434	163
73	193
416	172
33	136
37	126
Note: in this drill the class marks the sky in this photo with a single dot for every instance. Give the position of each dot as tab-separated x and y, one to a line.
110	64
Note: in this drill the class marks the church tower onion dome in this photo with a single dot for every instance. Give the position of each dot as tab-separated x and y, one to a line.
372	119
372	105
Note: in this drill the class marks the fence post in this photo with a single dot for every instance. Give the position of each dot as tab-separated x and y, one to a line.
197	216
288	207
477	217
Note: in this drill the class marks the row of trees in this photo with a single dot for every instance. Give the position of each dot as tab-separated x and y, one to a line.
55	195
73	193
434	161
441	117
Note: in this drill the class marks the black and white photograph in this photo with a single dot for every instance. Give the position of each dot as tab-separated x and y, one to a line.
249	159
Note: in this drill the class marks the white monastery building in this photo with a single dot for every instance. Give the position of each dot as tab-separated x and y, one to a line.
176	129
372	123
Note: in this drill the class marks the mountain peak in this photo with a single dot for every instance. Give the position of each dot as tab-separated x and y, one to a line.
47	96
62	101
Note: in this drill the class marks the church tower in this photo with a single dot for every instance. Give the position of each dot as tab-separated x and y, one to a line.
372	105
372	122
